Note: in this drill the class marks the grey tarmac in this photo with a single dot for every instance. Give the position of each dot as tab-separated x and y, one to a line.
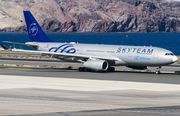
29	91
132	76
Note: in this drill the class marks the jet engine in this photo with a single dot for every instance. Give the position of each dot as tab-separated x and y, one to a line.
98	65
138	67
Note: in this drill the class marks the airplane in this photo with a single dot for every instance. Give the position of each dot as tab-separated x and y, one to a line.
95	57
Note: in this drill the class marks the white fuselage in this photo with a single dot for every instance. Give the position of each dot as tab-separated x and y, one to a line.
127	55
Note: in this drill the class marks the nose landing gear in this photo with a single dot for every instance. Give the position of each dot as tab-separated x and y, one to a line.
158	70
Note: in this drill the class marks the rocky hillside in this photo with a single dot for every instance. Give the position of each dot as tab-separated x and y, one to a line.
92	15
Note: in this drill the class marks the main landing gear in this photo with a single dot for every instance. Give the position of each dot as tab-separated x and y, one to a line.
158	70
111	69
83	69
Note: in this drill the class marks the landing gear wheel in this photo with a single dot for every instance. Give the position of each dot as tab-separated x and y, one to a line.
81	69
85	69
158	71
111	69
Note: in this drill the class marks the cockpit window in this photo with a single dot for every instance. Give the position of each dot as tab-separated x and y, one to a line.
169	54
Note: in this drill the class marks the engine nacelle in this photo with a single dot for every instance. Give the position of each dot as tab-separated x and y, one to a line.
138	67
99	65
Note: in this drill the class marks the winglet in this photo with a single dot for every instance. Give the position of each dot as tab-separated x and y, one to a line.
36	34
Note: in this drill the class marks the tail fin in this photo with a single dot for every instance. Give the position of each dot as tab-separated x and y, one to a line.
36	34
6	48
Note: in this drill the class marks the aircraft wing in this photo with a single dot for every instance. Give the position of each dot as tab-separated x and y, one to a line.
70	55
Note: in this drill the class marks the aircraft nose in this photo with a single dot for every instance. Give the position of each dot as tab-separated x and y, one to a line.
175	58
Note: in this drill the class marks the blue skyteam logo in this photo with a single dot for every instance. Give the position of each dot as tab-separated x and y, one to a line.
136	57
141	58
65	48
33	29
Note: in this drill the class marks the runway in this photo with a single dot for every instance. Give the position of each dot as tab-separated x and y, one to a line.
62	92
30	91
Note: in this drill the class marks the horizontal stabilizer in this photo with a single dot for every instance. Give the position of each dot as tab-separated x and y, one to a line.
6	48
30	45
14	43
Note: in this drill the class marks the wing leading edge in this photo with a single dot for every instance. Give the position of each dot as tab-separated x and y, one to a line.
79	56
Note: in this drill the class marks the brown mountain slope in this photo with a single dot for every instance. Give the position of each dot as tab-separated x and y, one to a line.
92	15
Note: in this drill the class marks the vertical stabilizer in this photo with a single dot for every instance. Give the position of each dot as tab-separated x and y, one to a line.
36	34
